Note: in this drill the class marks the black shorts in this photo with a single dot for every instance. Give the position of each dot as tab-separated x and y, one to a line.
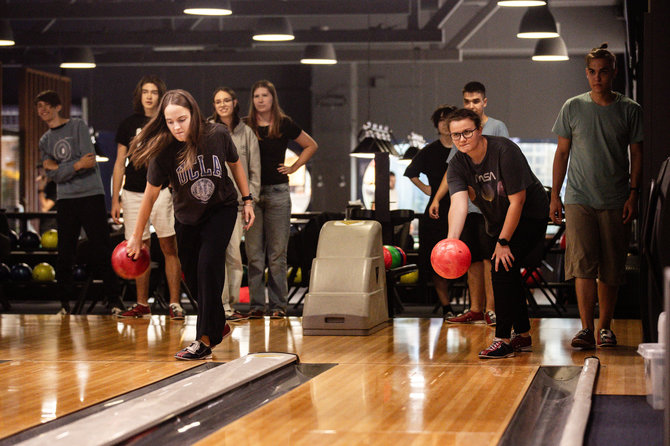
474	235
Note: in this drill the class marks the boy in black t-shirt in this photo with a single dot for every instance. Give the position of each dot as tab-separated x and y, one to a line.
496	176
146	97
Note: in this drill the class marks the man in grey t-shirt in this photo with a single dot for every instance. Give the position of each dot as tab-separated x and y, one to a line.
594	131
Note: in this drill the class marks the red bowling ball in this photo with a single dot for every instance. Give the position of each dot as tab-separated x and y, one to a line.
127	267
450	258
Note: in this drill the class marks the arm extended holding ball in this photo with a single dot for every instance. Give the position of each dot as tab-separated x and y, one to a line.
458	211
135	242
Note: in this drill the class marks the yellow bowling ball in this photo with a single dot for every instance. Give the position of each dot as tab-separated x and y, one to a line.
409	278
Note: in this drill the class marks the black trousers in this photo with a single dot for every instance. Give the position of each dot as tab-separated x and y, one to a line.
202	252
91	214
510	302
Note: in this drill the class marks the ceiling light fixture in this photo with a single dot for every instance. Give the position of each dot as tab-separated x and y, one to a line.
81	57
273	29
6	34
208	7
537	23
323	54
550	50
521	3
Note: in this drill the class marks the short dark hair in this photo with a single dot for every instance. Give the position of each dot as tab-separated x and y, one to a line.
601	53
464	113
440	113
48	96
475	87
137	93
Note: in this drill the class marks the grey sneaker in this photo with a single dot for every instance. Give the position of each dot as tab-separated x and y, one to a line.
584	340
606	338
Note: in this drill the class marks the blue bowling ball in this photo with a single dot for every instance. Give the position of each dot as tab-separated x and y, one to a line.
5	273
21	272
79	272
29	241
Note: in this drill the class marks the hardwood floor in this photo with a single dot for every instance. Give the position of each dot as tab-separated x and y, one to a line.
417	381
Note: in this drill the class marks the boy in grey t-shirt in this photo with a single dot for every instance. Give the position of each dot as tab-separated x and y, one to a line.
68	157
595	130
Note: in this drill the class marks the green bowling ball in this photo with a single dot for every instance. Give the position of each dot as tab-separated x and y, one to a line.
43	272
50	239
396	257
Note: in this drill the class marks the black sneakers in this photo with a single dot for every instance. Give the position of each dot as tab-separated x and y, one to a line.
197	350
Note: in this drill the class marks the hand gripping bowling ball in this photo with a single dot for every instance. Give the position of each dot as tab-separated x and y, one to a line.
127	267
450	258
43	272
50	239
21	272
29	241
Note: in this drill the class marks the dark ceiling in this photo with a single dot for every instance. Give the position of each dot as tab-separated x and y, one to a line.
150	32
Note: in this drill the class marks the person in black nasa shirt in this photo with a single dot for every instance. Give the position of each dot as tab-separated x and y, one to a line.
179	147
493	172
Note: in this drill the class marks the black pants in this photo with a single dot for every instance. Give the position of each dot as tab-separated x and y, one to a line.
510	302
202	252
91	214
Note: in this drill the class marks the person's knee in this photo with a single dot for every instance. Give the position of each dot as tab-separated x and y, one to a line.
168	246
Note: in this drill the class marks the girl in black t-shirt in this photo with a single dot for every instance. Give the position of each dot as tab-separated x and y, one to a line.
269	236
178	146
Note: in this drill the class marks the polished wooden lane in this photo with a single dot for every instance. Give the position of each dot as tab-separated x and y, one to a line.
417	381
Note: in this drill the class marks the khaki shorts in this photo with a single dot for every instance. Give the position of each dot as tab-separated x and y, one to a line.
596	244
161	218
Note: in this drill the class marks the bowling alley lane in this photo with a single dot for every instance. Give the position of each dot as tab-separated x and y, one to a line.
416	380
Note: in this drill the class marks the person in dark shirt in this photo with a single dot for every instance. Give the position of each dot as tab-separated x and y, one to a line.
146	97
178	147
493	172
269	236
432	161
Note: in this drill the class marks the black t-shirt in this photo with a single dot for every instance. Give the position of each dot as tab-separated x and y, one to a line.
136	179
206	186
503	171
431	161
273	150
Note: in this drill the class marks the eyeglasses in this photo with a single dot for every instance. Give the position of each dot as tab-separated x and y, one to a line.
467	134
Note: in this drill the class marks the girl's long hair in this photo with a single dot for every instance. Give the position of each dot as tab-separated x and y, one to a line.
236	110
156	136
276	111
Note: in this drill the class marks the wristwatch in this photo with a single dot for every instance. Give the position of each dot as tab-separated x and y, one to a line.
503	242
248	197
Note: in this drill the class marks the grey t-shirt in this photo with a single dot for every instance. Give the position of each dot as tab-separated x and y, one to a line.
598	172
495	127
66	145
503	171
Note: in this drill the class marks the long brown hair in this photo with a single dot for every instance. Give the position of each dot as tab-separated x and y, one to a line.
137	93
236	110
156	136
276	111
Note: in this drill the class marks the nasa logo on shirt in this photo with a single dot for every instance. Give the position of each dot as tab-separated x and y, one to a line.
63	149
202	189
